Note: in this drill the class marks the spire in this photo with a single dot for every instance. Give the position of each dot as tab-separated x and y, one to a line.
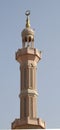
27	13
27	33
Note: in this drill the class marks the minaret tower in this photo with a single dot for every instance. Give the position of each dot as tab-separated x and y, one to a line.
28	57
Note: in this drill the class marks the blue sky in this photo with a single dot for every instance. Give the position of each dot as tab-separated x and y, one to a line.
45	19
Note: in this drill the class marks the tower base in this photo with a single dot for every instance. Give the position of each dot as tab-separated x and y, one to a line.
28	124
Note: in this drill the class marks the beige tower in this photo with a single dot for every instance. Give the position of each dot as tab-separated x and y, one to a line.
28	57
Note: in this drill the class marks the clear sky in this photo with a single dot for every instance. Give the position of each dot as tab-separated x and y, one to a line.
45	19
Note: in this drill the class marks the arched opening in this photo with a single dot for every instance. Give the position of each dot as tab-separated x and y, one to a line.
29	39
25	39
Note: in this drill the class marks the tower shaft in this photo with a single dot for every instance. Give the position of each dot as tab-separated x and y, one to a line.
28	58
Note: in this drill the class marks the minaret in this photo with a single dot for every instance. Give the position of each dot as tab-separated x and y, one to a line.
28	57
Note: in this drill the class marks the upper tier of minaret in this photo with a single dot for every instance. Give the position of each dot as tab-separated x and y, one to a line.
27	33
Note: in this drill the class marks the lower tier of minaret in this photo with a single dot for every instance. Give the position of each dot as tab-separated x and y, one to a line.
28	124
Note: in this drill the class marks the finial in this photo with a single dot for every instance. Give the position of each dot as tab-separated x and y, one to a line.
27	13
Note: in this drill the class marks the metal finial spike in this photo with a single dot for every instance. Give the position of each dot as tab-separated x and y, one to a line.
27	13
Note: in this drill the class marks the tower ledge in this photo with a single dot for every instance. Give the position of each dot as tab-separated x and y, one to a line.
28	123
29	91
28	54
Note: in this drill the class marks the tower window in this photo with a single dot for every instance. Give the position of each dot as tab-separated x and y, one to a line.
25	75
33	39
25	39
21	112
24	107
31	76
29	39
21	78
31	107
